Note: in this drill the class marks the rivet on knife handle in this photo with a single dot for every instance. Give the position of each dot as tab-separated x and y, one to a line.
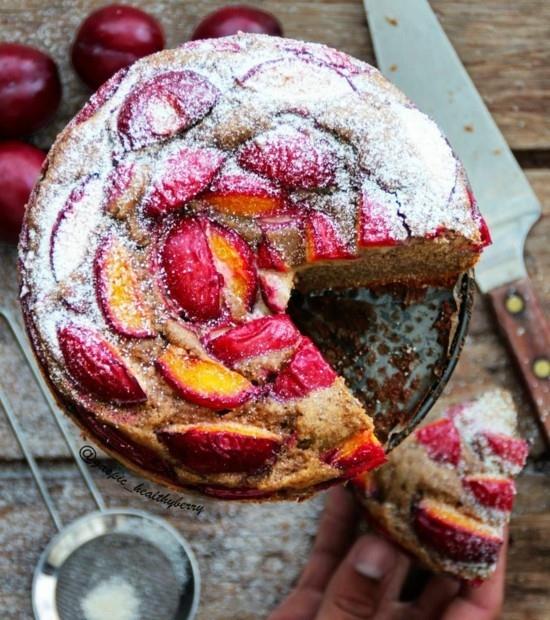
521	318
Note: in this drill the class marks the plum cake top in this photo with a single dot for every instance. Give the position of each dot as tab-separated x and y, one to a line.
447	491
173	217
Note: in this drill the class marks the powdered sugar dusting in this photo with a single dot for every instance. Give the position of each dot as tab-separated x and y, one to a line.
296	81
448	466
427	193
112	598
493	412
77	221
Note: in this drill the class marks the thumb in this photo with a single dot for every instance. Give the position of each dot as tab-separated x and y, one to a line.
372	571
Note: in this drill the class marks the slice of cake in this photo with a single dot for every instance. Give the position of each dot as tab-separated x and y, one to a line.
447	491
174	217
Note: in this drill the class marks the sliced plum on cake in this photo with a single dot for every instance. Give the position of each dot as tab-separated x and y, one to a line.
509	449
379	222
244	193
189	271
357	455
492	491
225	447
163	106
276	278
73	225
306	371
124	189
208	270
260	345
234	260
100	97
268	257
97	367
322	239
203	381
183	175
441	441
296	78
276	288
454	534
117	442
118	290
291	157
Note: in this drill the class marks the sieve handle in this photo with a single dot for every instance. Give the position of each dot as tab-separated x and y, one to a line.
37	475
84	471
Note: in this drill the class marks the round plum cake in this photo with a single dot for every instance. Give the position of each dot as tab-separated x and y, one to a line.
174	216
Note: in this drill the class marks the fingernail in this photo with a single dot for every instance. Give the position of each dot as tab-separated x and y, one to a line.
373	558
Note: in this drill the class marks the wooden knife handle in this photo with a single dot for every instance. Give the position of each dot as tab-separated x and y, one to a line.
527	331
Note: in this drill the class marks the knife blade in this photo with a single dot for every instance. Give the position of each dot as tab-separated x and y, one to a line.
413	51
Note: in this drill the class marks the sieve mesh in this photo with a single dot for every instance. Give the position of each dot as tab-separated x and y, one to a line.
162	590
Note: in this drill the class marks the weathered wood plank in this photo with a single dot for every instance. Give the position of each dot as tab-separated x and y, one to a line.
503	45
249	555
527	576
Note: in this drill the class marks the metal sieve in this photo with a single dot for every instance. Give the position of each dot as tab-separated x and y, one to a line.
113	564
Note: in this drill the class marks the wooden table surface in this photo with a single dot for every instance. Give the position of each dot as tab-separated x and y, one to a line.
250	555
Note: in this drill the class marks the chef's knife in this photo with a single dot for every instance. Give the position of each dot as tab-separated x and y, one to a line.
413	51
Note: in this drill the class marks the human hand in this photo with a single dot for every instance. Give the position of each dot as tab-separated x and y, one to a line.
348	579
